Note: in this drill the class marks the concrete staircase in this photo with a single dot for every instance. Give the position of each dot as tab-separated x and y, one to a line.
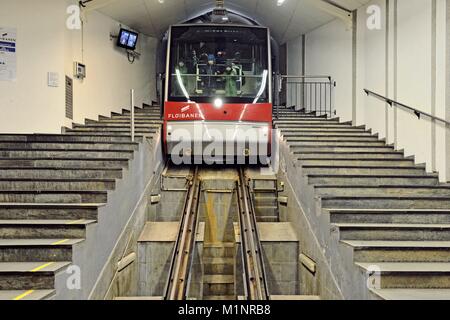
219	271
265	198
385	212
51	188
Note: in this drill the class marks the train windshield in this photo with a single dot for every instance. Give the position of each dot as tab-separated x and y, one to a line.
207	62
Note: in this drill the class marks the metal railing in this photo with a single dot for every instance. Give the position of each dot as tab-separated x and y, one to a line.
394	103
132	124
308	93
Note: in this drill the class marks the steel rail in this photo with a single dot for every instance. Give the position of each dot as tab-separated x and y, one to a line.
176	287
257	288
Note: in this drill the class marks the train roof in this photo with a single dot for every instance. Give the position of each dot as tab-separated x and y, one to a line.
218	25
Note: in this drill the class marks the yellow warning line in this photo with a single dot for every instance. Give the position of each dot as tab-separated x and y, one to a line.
42	267
76	221
23	295
59	242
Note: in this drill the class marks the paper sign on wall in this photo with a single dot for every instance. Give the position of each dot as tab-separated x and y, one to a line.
8	54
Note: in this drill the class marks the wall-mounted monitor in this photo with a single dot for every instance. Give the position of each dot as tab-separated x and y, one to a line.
127	39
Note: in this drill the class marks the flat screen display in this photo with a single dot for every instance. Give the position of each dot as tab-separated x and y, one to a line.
127	39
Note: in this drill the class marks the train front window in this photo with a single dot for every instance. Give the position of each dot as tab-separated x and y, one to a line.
207	62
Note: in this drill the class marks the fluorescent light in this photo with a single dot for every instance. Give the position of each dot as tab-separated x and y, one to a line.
263	86
180	83
280	2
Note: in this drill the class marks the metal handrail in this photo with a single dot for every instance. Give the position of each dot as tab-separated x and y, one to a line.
417	112
132	122
305	77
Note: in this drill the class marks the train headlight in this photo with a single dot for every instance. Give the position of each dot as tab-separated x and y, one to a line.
218	103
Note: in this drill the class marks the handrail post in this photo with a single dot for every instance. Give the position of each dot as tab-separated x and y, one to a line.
132	114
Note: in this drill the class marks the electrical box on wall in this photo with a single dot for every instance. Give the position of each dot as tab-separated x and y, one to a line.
79	70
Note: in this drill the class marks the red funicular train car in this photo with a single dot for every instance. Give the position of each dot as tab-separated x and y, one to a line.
218	93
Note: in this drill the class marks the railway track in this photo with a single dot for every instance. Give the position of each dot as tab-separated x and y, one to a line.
253	270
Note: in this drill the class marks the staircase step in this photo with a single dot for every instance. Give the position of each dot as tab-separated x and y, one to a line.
66	154
26	294
121	126
400	190
139	116
358	162
327	134
116	133
399	251
340	149
389	216
141	111
57	184
412	294
301	144
63	163
222	266
54	211
322	130
383	202
218	285
296	123
263	201
67	138
85	196
17	146
363	140
36	250
273	218
48	173
219	250
24	275
123	122
267	211
374	156
360	170
372	180
294	298
307	122
219	298
41	229
419	275
394	232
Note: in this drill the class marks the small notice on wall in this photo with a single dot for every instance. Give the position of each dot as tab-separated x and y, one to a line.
8	54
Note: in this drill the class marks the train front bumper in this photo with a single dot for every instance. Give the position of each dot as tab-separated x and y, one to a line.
218	140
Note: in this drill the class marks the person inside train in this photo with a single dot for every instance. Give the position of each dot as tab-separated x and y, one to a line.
209	81
231	76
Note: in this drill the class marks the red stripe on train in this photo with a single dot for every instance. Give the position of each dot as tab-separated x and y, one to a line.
183	111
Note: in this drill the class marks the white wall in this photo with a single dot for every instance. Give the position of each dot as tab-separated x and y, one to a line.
406	75
371	46
295	68
329	52
45	44
28	104
414	76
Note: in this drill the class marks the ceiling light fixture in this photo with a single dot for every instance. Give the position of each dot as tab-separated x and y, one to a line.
280	2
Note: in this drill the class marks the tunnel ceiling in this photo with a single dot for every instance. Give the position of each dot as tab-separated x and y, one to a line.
151	17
